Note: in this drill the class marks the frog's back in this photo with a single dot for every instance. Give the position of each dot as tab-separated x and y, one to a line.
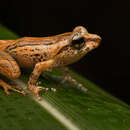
5	43
31	41
28	51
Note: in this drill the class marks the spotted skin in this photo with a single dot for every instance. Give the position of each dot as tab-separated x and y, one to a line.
44	53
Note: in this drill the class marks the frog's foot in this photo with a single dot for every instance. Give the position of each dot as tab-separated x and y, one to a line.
36	89
72	81
7	87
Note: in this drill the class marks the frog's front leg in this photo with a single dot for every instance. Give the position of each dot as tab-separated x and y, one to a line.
39	67
67	77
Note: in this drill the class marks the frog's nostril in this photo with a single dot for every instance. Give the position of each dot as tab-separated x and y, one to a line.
97	39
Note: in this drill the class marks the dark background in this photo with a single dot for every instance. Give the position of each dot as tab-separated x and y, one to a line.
108	65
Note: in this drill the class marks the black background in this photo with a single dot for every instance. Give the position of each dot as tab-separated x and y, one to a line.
108	65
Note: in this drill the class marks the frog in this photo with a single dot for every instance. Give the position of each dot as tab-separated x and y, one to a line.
42	54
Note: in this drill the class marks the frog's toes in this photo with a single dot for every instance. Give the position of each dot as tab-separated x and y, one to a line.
81	87
51	89
36	90
7	92
7	87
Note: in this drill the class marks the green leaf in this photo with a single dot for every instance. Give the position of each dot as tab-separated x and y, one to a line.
94	110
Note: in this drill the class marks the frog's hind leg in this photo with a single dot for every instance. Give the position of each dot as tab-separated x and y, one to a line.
10	69
7	87
67	77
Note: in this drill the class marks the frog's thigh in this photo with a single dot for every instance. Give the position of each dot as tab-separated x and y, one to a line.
8	66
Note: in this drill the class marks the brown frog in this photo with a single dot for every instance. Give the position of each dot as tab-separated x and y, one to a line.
44	53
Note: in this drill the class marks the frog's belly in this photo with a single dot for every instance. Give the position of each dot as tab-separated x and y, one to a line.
25	62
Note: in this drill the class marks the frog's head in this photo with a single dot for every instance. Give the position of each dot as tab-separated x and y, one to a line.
78	43
82	41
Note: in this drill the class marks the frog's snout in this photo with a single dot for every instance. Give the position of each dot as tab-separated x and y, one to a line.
92	42
97	39
93	37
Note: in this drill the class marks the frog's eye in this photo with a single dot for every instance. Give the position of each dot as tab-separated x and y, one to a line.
78	43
